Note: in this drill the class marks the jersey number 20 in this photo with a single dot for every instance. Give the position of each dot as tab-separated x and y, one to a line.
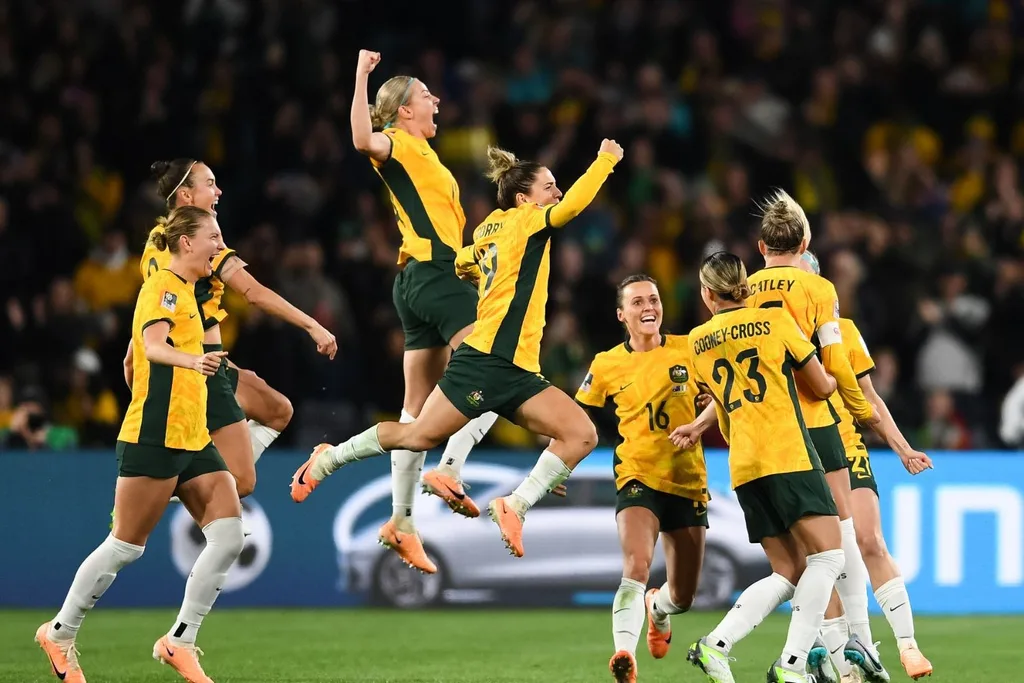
722	370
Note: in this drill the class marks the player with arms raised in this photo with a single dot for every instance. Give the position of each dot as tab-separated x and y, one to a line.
749	359
233	393
497	367
436	308
661	488
890	590
163	449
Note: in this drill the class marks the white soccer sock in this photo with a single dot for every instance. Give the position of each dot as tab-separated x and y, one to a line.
852	585
406	468
663	606
809	602
361	446
628	615
462	442
835	633
261	437
548	473
224	541
892	597
754	604
92	579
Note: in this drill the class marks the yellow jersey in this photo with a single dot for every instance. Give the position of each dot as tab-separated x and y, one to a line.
746	358
653	392
860	360
512	250
813	302
168	405
425	198
209	291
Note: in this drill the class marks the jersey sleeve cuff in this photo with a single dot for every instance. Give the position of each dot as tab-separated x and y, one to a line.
220	267
547	217
157	320
865	373
800	363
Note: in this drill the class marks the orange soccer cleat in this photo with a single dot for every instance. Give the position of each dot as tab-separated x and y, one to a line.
658	642
408	546
183	658
623	667
451	491
915	663
63	656
303	482
509	523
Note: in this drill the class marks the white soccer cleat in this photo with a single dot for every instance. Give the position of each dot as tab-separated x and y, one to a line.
713	663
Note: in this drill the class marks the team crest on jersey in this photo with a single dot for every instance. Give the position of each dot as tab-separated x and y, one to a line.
587	382
475	398
678	374
169	301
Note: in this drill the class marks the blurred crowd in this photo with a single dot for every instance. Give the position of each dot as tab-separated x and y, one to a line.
897	124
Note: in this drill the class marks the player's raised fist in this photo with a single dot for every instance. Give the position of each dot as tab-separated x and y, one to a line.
367	61
611	147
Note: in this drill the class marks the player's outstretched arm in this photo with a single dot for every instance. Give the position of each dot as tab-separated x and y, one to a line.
915	461
273	303
377	146
586	188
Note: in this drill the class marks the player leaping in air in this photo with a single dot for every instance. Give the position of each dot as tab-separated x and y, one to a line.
436	308
497	367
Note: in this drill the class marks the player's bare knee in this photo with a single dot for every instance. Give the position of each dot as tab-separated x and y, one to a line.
281	412
637	566
871	544
245	483
581	438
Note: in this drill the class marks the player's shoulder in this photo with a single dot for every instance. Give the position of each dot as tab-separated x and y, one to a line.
615	356
677	341
818	284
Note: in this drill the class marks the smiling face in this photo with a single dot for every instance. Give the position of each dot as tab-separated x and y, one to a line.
202	190
640	308
543	190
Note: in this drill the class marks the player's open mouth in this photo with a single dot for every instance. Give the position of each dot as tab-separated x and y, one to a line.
649	319
213	207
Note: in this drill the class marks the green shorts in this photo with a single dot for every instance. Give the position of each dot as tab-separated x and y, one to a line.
142	460
478	383
432	303
673	512
222	407
829	445
861	474
772	504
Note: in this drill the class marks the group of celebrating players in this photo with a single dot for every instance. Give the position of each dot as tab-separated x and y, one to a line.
782	375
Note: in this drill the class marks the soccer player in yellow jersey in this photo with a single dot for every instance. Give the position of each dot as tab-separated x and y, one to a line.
812	301
163	449
661	488
881	568
497	367
436	308
750	359
233	393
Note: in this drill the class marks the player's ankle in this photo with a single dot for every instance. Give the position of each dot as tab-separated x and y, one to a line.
404	523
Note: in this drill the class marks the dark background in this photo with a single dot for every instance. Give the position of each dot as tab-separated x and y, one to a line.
897	124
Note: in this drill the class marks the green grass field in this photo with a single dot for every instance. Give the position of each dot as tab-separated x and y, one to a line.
313	646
